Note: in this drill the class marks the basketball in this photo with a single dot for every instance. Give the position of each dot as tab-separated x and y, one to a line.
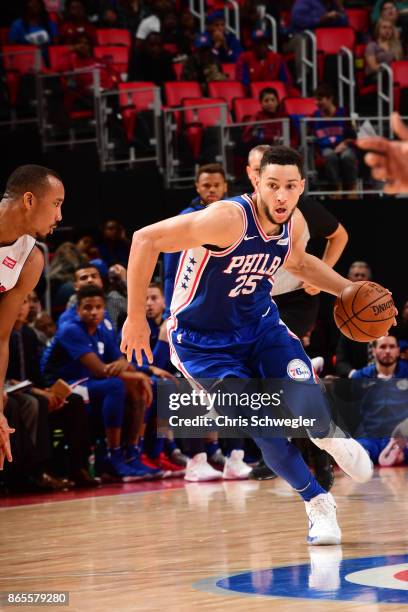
364	311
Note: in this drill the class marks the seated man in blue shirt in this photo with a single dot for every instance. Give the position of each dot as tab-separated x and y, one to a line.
86	350
334	137
384	406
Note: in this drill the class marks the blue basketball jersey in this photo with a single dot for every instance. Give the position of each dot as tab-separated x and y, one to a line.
226	290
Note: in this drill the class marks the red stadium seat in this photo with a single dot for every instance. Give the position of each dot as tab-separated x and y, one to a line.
134	97
21	58
178	69
4	36
141	100
330	40
400	72
118	57
257	86
176	91
60	58
197	119
245	107
228	90
207	117
358	19
229	70
295	109
113	36
299	106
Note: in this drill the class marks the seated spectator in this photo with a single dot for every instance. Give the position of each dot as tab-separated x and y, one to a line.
268	132
85	275
34	307
261	64
84	350
81	89
351	355
114	246
129	12
71	415
153	23
76	23
386	48
30	446
382	410
224	45
187	33
64	262
334	140
86	245
388	9
116	296
202	65
309	15
34	28
150	62
45	328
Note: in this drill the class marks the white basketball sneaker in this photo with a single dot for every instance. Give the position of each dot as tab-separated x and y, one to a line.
323	527
199	470
235	467
349	455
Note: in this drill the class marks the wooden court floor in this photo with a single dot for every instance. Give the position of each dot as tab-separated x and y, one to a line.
168	549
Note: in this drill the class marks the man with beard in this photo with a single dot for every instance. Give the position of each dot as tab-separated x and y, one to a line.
384	406
30	209
225	325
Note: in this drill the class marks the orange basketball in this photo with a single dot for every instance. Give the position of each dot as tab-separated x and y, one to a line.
364	311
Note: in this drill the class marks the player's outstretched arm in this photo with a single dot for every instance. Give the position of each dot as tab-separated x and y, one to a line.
309	268
221	224
10	304
388	159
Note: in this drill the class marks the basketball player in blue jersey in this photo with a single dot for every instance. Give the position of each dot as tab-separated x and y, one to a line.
223	322
30	209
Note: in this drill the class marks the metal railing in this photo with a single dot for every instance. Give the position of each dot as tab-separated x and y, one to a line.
346	58
308	150
385	94
233	138
47	295
197	9
109	108
271	21
49	86
176	173
15	119
231	9
308	62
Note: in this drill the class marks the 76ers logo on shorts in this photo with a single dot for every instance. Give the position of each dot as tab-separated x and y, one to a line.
298	370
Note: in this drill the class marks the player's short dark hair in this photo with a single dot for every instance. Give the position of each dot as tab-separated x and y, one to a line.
210	169
282	156
266	91
324	90
89	291
29	178
85	266
375	342
158	286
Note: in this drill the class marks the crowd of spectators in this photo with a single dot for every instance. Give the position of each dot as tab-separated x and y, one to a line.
166	44
113	403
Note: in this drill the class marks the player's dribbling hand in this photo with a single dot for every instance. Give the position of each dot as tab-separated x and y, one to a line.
5	449
136	337
388	159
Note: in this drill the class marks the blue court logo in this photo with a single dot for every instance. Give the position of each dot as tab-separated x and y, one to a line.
365	580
